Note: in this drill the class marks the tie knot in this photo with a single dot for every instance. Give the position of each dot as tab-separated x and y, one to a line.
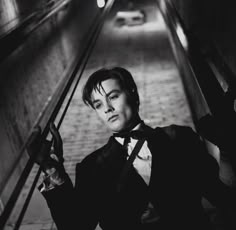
135	134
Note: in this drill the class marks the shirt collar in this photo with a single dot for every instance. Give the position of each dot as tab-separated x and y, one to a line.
139	126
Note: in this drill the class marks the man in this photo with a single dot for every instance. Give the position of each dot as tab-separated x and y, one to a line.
161	188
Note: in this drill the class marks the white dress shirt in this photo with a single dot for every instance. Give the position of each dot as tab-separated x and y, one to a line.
143	161
143	164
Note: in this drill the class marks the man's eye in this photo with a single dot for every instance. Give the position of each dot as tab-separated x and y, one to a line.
113	96
97	106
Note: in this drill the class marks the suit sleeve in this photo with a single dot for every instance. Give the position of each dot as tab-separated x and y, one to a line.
75	207
213	189
60	202
219	133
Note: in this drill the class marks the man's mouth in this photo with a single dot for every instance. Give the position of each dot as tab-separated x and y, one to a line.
113	118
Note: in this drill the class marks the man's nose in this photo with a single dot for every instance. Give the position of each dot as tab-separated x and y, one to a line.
108	107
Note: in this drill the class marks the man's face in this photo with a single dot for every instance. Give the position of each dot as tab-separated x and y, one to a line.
112	106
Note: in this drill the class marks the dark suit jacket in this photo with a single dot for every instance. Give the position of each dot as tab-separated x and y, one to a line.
182	173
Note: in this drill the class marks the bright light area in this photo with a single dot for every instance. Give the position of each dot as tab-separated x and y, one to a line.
10	13
182	36
163	5
129	14
101	3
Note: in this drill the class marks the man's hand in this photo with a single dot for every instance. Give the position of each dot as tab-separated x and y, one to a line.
47	154
56	152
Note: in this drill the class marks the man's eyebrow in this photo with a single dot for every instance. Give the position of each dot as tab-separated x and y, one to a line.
107	95
113	91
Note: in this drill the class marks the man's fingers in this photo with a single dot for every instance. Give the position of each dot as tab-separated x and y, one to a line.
57	140
56	135
54	157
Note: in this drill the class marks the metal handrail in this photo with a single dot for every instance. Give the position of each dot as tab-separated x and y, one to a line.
70	82
55	9
16	36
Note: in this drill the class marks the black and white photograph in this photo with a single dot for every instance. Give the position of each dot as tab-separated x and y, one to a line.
117	115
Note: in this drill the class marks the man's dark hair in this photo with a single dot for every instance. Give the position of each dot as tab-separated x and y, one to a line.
124	78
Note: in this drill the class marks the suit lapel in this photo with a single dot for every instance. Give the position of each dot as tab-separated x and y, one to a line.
112	159
160	146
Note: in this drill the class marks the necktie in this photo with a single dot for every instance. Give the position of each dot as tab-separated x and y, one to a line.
135	134
125	145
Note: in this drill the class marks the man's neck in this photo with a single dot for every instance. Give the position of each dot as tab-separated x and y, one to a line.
133	124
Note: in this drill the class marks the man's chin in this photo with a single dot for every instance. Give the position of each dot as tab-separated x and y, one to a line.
116	128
